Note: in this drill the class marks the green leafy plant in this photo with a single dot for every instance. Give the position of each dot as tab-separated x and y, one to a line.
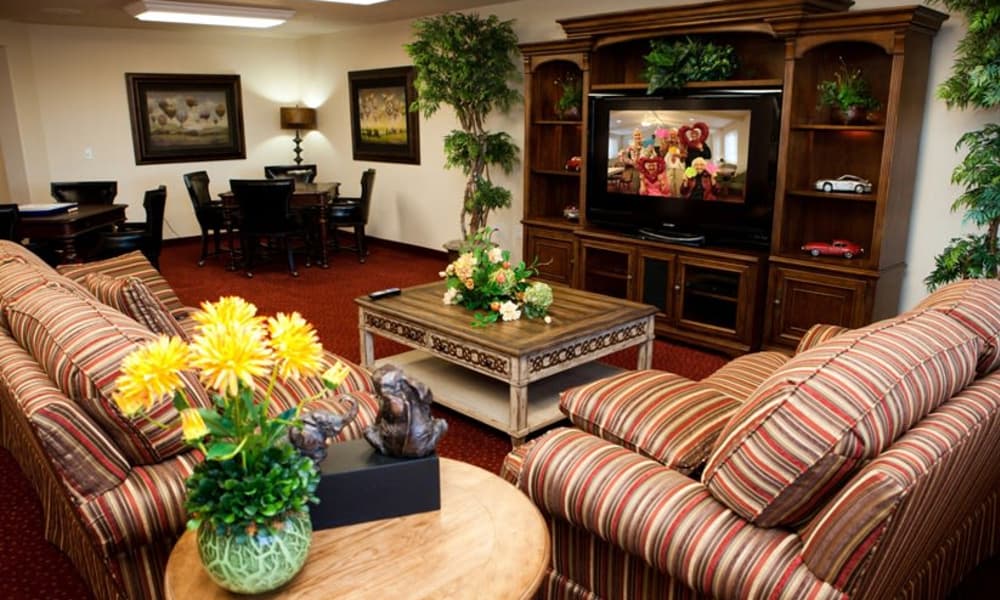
847	89
483	278
975	82
672	64
467	62
572	93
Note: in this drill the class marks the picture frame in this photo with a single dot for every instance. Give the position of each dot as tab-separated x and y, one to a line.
382	126
185	118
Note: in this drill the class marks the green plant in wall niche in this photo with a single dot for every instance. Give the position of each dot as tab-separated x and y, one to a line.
848	93
467	62
975	83
671	64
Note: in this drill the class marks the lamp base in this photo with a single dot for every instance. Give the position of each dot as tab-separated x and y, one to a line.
298	148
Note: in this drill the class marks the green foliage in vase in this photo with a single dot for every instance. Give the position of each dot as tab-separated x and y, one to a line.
572	93
467	62
671	64
847	89
975	83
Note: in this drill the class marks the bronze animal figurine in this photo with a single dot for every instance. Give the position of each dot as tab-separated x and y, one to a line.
404	426
318	428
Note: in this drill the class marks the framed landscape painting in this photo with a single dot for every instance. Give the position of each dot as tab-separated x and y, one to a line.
382	127
185	118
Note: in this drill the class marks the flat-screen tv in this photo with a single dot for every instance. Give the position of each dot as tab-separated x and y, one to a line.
697	164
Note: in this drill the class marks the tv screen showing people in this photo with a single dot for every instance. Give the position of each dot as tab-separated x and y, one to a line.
684	154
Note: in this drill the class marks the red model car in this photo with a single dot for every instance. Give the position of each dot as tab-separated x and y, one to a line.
845	248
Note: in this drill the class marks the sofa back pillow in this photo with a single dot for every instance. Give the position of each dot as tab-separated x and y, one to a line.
133	264
976	304
829	410
134	298
80	344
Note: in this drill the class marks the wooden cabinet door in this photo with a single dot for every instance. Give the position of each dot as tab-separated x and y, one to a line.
800	299
555	252
714	297
655	281
607	269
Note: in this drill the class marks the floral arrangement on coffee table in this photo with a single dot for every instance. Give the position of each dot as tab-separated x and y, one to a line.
483	278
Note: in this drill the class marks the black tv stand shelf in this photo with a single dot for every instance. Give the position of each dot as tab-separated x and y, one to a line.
685	238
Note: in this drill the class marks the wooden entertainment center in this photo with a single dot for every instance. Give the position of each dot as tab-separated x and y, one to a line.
733	299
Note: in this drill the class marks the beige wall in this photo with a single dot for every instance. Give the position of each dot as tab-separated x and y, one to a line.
69	94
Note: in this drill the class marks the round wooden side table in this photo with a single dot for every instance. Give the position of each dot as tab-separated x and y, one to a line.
487	541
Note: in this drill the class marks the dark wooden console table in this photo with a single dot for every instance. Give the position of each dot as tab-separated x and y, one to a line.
63	231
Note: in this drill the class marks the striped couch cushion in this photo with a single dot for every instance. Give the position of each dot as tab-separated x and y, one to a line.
80	344
79	449
976	304
132	297
817	334
741	376
829	410
661	415
20	274
133	264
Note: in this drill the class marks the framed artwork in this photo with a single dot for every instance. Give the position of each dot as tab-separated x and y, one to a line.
382	126
185	118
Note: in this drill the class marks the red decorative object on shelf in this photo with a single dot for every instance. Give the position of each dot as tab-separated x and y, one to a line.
845	248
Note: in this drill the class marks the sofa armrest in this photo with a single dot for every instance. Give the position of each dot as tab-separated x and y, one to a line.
669	520
664	416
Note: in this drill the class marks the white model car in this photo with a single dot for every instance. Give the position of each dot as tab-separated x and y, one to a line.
845	183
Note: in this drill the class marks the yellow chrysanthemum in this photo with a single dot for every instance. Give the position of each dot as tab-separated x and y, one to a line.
336	374
192	425
228	310
150	373
297	350
227	354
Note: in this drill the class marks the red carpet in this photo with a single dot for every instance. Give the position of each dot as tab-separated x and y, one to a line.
34	569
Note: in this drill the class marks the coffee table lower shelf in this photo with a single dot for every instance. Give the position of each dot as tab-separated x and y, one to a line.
487	400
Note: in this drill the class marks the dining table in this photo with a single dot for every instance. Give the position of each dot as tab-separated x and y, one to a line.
306	198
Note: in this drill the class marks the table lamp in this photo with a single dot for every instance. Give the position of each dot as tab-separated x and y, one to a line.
298	118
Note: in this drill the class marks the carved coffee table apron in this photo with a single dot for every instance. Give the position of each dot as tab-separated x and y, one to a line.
487	541
506	375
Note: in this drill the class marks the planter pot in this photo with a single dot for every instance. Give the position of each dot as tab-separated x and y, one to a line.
255	565
852	115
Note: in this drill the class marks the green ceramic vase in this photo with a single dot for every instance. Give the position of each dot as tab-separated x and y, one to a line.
254	566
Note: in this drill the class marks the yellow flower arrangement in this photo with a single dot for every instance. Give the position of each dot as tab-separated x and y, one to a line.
242	442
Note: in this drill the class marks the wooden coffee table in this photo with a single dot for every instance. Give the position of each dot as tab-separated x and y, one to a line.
487	541
507	375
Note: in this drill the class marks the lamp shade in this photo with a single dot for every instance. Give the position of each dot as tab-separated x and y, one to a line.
298	117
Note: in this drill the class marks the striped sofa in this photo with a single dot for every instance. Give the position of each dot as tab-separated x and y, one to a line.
863	466
112	489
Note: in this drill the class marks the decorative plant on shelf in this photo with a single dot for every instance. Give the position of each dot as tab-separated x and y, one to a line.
849	95
467	62
569	103
975	82
482	278
672	64
249	498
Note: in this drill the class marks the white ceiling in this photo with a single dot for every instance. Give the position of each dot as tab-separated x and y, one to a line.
312	17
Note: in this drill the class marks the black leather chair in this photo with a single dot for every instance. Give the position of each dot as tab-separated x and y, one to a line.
84	192
353	212
10	216
264	207
146	236
210	214
300	173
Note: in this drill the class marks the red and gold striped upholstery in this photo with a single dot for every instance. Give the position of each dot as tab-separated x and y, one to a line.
740	377
133	264
976	304
130	296
817	334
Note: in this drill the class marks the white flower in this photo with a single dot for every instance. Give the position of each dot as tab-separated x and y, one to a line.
548	319
443	274
451	296
509	311
495	255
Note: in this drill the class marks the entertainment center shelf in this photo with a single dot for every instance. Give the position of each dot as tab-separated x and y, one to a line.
727	297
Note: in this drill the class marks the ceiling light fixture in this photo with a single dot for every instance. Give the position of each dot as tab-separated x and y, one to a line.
207	14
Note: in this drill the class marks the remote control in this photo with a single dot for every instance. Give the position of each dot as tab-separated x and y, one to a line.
393	291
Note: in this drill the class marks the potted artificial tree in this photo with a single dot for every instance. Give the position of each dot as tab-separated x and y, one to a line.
848	95
974	82
467	62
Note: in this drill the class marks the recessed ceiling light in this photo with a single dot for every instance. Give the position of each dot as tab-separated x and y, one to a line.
207	14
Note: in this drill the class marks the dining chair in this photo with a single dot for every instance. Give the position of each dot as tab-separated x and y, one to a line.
212	218
10	216
264	207
353	212
146	236
84	192
300	173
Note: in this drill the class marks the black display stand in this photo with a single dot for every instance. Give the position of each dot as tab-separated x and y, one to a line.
358	484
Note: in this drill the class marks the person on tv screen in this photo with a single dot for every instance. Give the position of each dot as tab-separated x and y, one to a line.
695	142
700	184
654	176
